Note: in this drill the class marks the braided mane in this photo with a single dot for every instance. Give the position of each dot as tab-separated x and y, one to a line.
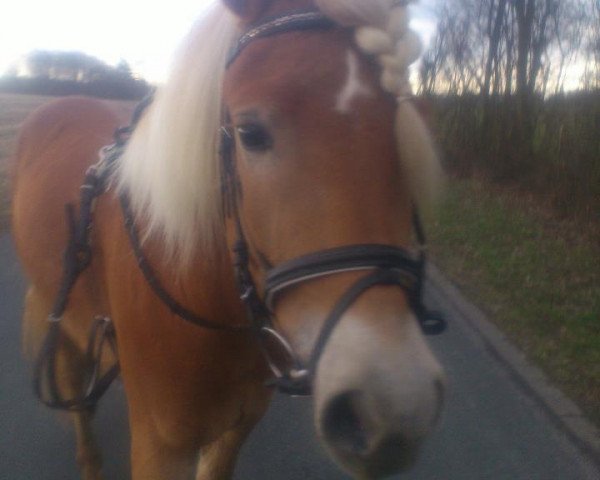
382	30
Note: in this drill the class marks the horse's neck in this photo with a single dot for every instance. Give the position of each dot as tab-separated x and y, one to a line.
205	285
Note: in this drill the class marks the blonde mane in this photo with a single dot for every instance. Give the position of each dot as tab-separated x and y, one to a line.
171	167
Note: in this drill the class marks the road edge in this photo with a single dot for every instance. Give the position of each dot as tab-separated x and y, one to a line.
562	410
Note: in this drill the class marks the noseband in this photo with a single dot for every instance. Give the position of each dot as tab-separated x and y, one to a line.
383	264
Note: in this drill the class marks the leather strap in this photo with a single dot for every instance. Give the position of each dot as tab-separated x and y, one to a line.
156	285
302	20
45	384
336	260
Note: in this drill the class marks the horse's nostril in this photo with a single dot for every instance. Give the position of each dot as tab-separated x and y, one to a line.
344	423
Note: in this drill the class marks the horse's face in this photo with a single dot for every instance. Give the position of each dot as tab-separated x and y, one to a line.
316	158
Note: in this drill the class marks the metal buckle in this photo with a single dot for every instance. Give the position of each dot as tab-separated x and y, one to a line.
267	333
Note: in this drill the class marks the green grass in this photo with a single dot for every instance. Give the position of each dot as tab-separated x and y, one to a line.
536	276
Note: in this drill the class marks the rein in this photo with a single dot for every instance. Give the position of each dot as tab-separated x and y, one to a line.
383	264
153	281
77	258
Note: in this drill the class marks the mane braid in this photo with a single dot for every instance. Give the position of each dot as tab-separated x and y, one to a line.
382	30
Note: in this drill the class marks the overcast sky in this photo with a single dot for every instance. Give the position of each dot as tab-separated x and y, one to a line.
141	32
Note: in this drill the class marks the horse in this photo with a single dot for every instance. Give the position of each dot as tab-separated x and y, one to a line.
285	142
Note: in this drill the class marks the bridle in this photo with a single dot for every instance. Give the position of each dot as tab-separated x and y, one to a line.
383	264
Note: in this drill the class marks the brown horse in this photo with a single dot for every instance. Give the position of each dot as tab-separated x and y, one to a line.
327	155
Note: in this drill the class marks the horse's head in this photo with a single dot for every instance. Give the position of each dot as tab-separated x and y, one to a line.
323	163
324	156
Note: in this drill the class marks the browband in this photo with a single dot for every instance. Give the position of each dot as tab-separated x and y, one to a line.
303	20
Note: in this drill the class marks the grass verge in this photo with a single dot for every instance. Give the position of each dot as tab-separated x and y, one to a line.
537	277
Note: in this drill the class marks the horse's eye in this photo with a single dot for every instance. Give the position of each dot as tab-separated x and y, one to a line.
254	137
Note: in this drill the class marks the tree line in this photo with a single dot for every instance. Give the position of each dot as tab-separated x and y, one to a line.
515	85
62	73
494	47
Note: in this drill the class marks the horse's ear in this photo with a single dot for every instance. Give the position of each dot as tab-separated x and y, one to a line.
247	10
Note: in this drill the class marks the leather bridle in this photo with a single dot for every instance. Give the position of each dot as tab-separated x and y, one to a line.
383	264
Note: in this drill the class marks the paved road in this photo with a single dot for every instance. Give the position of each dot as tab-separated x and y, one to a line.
491	430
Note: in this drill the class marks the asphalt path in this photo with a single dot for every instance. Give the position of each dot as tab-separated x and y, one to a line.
492	429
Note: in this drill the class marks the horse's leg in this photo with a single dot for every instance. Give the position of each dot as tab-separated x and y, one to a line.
170	453
153	458
70	367
69	378
217	460
88	453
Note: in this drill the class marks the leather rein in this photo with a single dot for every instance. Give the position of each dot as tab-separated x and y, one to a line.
383	265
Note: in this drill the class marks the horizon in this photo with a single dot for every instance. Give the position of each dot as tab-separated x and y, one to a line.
96	31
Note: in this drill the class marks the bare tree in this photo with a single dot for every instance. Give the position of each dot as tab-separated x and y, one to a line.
495	21
522	47
591	75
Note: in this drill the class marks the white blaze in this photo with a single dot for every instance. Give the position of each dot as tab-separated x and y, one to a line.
353	87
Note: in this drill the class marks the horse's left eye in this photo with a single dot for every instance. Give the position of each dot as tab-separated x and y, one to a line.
254	137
